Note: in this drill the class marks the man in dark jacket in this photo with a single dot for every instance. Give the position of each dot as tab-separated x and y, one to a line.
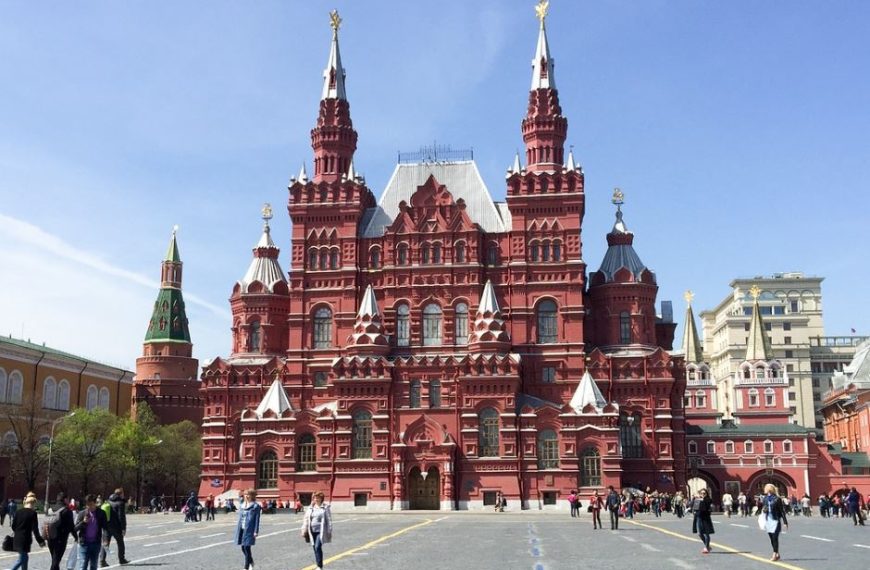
58	533
612	504
90	525
117	527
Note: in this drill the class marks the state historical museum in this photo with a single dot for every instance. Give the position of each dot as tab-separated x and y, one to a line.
433	347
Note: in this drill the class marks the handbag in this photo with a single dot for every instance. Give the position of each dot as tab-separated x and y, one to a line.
307	537
7	543
761	521
589	509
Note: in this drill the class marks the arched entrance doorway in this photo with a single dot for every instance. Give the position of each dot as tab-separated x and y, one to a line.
424	489
702	481
781	481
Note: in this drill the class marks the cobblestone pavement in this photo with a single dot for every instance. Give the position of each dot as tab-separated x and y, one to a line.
481	540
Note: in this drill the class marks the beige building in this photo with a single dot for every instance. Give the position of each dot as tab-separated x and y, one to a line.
57	382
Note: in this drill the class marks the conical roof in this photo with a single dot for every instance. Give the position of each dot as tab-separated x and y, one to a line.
334	74
275	400
264	267
758	344
620	252
369	305
543	64
587	393
172	253
691	343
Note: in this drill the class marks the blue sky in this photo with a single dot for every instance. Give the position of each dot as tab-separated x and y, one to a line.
737	130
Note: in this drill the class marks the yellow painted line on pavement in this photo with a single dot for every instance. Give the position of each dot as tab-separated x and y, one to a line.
718	545
375	542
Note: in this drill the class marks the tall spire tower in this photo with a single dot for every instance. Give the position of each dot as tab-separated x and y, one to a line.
544	128
758	345
333	139
166	373
691	341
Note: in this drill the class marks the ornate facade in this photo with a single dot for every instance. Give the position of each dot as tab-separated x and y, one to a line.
433	347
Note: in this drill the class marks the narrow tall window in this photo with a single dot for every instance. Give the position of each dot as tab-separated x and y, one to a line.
3	386
534	252
403	325
414	395
104	398
548	450
254	336
547	322
624	328
16	388
362	435
700	399
492	254
488	426
324	259
545	251
92	398
402	255
307	453
461	328
333	259
323	328
753	398
375	258
63	395
435	394
436	253
49	394
590	469
432	325
312	259
424	254
557	251
629	436
459	252
769	397
268	471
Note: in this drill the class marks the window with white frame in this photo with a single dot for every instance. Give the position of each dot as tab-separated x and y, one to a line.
747	446
403	325
93	397
63	395
49	393
687	401
769	397
104	398
700	399
768	446
693	448
786	446
729	447
711	448
16	388
753	398
461	324
432	325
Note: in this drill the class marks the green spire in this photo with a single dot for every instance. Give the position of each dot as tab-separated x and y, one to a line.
691	343
172	253
169	319
758	345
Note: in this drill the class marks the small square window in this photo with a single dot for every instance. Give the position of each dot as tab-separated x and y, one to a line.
786	326
746	327
794	307
548	374
549	497
786	447
489	498
360	499
711	448
789	367
787	340
815	382
320	379
768	326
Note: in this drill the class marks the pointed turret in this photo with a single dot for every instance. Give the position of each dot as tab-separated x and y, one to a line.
544	128
303	175
488	333
368	336
758	345
691	342
587	393
169	320
275	400
570	165
620	250
351	173
264	268
515	167
333	138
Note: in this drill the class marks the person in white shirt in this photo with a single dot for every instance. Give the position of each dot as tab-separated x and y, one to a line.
317	527
727	503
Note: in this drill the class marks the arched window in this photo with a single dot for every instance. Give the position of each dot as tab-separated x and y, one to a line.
324	259
746	373
93	398
753	398
747	446
534	252
590	468
49	394
323	328
3	385
267	471
307	453
488	420
16	388
547	322
759	373
63	395
10	441
557	251
459	252
402	255
436	253
254	336
461	322
492	254
769	397
786	446
432	325
375	258
624	328
104	398
629	436
700	399
729	447
545	251
403	325
424	254
414	395
693	448
334	259
435	394
711	448
312	259
362	435
768	446
548	450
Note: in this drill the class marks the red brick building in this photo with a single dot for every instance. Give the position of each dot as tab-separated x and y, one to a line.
166	373
433	347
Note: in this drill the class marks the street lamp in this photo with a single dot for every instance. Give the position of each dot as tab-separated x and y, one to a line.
139	473
50	445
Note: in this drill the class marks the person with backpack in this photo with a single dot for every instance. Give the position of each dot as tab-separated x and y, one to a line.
612	504
56	528
116	526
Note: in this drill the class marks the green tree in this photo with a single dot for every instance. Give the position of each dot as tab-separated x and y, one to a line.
31	425
84	448
179	457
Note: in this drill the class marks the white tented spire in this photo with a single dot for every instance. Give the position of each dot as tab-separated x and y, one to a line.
587	393
369	305
570	166
542	65
303	176
351	173
488	302
515	167
275	400
333	75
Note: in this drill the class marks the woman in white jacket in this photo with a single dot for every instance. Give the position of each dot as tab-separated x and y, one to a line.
317	527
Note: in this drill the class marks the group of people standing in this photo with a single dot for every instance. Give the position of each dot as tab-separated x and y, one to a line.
316	526
92	529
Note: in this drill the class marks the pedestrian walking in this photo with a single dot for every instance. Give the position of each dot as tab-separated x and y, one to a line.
248	526
25	527
702	523
595	508
116	521
727	503
853	502
613	503
317	527
209	508
572	501
773	517
59	524
91	523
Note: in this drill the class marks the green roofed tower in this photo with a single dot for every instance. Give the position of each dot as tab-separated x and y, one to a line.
166	373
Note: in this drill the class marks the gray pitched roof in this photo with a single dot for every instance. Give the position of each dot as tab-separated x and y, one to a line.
462	180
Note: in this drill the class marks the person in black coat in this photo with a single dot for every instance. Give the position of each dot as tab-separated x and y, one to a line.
702	524
90	525
25	527
774	517
65	527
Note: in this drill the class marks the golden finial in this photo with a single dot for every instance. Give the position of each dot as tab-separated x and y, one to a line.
334	21
174	230
267	212
755	291
688	296
618	197
541	10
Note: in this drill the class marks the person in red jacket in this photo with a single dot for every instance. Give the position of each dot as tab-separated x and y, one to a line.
595	504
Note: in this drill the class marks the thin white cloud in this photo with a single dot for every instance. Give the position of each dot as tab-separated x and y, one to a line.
15	230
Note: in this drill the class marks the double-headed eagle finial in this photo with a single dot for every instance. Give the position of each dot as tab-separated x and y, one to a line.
755	291
334	21
267	212
688	296
541	10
